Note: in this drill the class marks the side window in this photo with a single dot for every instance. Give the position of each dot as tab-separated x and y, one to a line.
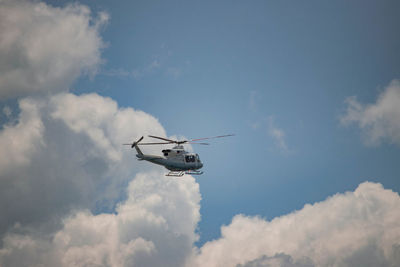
190	158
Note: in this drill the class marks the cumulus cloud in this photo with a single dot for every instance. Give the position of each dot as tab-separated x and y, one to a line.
65	152
45	48
155	226
379	121
64	171
7	112
359	228
19	141
71	195
279	260
77	163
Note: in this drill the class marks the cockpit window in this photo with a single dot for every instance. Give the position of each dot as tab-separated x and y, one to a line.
190	158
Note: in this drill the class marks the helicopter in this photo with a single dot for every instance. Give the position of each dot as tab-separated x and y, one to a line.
177	160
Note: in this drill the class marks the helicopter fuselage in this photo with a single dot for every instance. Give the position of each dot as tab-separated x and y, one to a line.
175	159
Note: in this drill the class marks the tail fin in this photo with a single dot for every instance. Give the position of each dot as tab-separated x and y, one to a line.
134	145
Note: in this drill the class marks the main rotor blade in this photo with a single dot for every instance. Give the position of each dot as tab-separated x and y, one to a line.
194	143
189	141
162	138
156	143
150	144
219	136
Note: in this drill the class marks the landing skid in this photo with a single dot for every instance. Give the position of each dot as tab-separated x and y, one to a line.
175	173
181	173
194	172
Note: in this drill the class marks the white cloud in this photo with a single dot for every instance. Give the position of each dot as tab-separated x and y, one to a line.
20	141
360	228
71	162
65	152
64	171
44	48
77	163
155	226
278	135
7	111
63	174
379	121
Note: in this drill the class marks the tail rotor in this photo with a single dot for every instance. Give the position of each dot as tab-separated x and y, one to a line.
134	143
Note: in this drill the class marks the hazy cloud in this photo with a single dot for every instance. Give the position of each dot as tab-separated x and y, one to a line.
379	121
253	100
138	72
174	72
359	228
120	72
44	48
158	64
155	64
277	134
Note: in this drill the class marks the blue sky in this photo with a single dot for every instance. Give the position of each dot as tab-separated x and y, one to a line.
309	88
227	67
